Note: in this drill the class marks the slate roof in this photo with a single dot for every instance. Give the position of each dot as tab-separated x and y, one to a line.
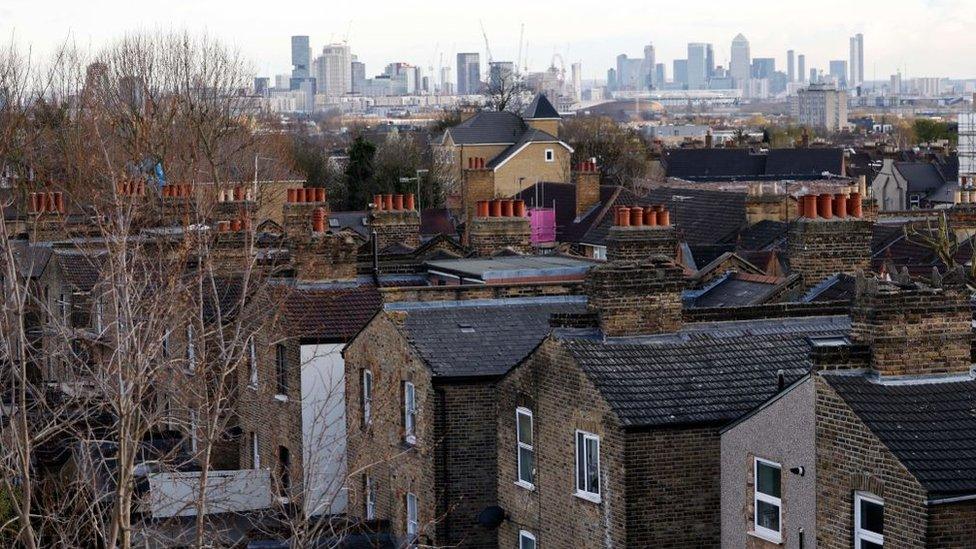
80	270
540	107
531	135
839	287
930	427
331	312
761	236
481	337
562	196
706	373
488	127
31	259
435	221
735	290
744	164
922	177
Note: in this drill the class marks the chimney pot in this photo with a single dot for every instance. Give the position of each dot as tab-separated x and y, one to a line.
33	202
410	202
518	208
637	216
238	193
398	202
320	194
388	202
495	208
235	225
318	220
482	210
824	206
855	205
664	218
624	219
650	217
840	205
59	201
506	207
378	201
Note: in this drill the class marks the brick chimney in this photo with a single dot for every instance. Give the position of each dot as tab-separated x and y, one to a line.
238	202
320	255
477	183
913	328
766	202
636	294
499	225
830	236
232	246
586	179
179	200
46	213
395	219
297	211
639	233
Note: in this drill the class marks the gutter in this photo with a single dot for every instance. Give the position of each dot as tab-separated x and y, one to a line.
955	499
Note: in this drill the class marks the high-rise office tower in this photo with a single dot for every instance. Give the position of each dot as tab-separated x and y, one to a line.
895	87
612	79
801	67
468	73
358	75
501	74
709	61
301	57
838	72
739	66
447	83
647	67
660	75
763	67
681	72
791	66
577	75
814	76
333	70
262	86
697	68
857	60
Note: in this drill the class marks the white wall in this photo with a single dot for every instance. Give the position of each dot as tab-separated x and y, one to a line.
175	494
324	429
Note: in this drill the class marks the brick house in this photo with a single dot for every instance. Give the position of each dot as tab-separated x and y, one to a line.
634	461
507	151
874	448
421	388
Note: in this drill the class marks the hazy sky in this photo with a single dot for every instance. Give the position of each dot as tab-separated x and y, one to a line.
920	37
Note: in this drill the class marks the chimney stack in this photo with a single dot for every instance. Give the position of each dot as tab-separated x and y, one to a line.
913	328
499	225
393	222
586	179
830	236
298	210
641	232
477	183
636	297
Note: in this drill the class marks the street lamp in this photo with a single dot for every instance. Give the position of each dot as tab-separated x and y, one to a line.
417	178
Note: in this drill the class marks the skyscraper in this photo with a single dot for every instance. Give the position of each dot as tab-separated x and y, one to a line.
709	61
857	60
301	57
358	75
763	67
801	67
500	74
647	67
791	66
468	73
838	71
660	75
681	72
697	68
333	70
740	61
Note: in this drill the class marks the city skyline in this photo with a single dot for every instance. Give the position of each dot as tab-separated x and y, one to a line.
401	33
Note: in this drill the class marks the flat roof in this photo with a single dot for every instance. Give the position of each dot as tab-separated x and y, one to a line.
513	266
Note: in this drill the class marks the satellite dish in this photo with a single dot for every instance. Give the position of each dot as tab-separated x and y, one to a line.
492	517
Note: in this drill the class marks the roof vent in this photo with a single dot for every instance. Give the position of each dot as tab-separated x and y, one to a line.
466	328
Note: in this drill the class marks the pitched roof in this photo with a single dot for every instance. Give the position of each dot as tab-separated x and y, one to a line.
701	216
80	270
705	373
435	221
762	235
488	127
562	196
531	135
480	337
929	427
539	108
802	163
333	312
31	259
735	290
922	177
744	164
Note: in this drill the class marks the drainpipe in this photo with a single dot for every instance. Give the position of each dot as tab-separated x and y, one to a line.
376	259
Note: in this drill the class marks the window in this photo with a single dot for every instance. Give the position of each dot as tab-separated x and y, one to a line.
367	397
255	451
413	527
252	362
526	540
409	413
284	472
550	155
370	497
281	371
526	453
588	466
164	346
191	349
767	503
63	310
868	521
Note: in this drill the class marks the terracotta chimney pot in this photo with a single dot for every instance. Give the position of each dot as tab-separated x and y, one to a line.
825	203
409	203
398	202
650	217
840	205
855	205
518	208
624	219
506	207
664	218
637	216
318	220
495	208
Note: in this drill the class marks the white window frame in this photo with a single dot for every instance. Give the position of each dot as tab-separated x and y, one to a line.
522	411
255	451
860	534
63	310
525	535
99	315
252	362
367	382
409	413
583	492
550	155
413	524
370	499
763	532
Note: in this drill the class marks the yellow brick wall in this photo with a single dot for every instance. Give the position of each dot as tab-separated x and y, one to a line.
531	164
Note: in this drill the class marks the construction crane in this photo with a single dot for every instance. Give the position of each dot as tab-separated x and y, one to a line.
518	60
487	46
348	32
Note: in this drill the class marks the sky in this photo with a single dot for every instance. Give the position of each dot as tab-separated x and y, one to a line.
918	37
